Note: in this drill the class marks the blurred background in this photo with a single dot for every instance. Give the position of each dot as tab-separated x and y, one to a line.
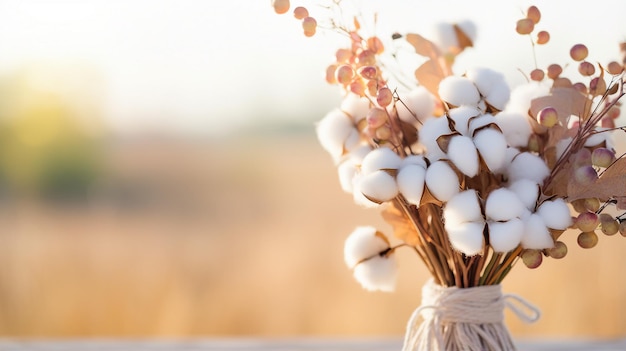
159	174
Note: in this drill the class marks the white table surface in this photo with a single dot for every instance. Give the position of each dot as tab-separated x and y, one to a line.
242	344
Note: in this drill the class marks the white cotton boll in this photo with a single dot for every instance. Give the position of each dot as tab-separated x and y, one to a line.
528	166
597	138
355	106
499	96
480	121
347	170
442	181
432	129
377	274
462	207
332	132
522	96
414	160
484	78
380	158
358	196
515	126
378	186
502	205
505	236
467	237
536	234
358	153
352	141
419	101
462	152
363	243
492	146
458	91
555	214
461	116
410	180
527	191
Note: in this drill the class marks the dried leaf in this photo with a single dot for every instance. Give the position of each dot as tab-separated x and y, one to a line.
566	100
610	184
429	75
558	185
423	46
401	224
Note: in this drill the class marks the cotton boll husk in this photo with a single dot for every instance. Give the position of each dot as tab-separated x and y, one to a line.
461	116
536	234
527	191
499	96
505	236
332	132
355	106
515	126
462	152
492	146
522	96
528	166
432	129
442	180
462	207
502	205
363	243
377	273
410	180
419	101
378	186
469	28
480	121
414	160
380	158
467	237
458	91
555	214
484	78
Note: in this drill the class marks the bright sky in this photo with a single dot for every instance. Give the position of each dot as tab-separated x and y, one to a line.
205	66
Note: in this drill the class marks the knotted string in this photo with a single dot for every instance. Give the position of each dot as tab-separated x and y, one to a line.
464	319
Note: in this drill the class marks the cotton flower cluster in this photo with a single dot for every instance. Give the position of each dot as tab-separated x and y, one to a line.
471	173
457	146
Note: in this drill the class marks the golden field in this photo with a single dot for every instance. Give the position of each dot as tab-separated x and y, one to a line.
244	236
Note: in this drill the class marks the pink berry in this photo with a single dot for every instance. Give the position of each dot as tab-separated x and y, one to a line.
548	117
587	221
585	175
578	52
602	157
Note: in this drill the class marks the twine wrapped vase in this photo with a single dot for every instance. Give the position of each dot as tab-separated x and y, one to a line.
467	319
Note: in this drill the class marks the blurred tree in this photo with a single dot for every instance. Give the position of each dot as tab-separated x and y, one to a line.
46	150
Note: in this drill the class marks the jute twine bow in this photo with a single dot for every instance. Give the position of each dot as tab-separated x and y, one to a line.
464	319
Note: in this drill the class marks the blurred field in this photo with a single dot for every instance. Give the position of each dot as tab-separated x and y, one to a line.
243	236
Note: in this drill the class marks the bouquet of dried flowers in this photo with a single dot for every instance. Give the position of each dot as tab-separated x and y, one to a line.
473	176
